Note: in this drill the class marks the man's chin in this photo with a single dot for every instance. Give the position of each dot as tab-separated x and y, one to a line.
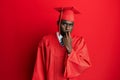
65	33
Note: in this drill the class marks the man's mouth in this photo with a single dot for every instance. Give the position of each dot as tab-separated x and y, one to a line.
67	31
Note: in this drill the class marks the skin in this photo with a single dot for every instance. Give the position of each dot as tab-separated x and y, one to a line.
66	28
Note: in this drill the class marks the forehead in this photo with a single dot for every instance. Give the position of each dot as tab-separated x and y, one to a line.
66	21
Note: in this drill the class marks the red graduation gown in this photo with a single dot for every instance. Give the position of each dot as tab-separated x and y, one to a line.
53	62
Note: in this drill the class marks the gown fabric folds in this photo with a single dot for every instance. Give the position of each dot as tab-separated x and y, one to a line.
53	62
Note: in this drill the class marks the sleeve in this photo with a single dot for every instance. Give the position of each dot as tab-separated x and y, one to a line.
77	61
39	69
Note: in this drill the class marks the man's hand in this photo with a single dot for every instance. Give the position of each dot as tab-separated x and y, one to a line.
67	40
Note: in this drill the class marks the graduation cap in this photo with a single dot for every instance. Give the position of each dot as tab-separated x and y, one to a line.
66	13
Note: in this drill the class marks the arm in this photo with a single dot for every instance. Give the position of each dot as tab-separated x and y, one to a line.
39	69
77	61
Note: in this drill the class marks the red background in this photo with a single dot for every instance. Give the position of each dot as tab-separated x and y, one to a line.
24	22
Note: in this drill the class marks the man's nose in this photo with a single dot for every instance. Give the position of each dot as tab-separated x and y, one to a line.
67	27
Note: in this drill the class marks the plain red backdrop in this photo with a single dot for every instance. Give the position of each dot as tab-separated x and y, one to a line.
24	22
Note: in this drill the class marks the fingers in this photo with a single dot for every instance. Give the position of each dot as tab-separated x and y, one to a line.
66	35
69	34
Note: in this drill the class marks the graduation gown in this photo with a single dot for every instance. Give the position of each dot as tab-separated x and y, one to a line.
53	62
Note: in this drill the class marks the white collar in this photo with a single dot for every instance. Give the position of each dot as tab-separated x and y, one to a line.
59	36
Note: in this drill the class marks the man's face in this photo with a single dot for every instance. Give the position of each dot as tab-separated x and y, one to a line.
66	26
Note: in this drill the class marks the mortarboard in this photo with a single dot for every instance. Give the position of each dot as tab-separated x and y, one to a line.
66	13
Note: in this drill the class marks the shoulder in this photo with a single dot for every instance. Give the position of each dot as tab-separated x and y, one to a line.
46	39
78	41
78	38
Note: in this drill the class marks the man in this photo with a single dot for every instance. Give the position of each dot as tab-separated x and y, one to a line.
62	56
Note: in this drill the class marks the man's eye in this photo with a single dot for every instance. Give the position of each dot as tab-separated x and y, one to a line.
70	24
64	24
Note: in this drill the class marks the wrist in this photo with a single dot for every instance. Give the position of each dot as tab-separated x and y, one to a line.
69	50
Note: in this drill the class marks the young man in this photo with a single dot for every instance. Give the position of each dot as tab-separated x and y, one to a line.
62	56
